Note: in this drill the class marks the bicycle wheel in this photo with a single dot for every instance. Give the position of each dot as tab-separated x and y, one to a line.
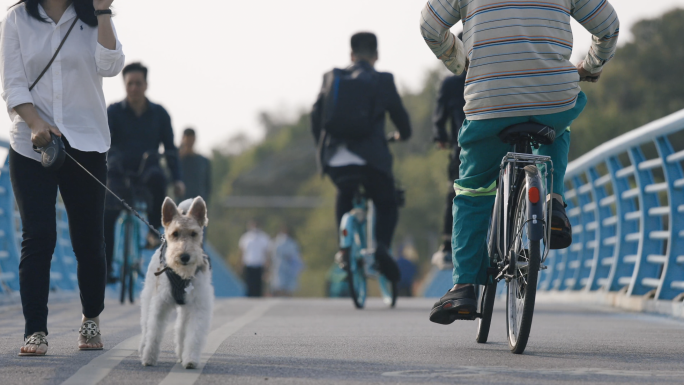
388	290
125	268
356	276
522	288
487	296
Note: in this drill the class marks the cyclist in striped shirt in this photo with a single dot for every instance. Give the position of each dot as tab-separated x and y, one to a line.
517	54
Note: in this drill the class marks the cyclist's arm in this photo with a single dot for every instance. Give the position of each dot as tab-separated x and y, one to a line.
170	151
396	109
436	19
441	115
600	19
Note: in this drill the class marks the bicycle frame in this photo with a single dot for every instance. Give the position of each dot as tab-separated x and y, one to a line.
510	176
355	224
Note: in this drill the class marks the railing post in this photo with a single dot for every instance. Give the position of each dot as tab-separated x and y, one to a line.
621	271
601	252
644	271
672	277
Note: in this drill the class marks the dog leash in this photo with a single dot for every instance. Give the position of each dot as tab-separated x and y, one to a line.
129	208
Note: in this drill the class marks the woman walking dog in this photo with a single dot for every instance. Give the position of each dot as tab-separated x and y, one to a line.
53	55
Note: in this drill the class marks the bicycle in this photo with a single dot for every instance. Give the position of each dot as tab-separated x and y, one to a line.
130	236
519	235
357	249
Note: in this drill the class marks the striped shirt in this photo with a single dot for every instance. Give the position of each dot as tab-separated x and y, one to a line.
519	51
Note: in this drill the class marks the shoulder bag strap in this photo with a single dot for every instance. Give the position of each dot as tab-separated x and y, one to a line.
55	55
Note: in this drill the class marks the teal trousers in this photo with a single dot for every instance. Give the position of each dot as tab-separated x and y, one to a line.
481	154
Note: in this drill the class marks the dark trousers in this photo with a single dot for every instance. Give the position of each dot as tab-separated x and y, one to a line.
253	279
452	171
35	190
379	187
154	182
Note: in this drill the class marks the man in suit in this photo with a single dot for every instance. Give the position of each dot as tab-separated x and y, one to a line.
449	109
366	161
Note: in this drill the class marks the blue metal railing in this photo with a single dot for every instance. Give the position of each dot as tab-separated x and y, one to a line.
63	268
626	207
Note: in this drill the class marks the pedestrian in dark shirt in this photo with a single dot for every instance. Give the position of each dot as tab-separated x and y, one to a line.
138	127
449	108
195	168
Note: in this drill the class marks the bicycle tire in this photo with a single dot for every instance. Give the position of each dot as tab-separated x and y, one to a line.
488	293
356	278
125	268
520	310
389	291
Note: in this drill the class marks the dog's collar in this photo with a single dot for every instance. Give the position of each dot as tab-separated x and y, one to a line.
178	284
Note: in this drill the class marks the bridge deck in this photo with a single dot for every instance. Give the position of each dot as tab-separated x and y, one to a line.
317	341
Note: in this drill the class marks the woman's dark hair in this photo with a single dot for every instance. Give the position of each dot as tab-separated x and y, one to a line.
84	10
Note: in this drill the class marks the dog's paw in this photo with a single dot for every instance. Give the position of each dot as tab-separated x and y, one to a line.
190	365
148	362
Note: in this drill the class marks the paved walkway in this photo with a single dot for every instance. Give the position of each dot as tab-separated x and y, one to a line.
317	341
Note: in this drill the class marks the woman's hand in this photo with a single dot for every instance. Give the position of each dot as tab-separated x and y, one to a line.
40	129
101	5
40	132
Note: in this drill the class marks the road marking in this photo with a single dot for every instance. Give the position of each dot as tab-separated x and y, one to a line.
182	376
100	366
473	371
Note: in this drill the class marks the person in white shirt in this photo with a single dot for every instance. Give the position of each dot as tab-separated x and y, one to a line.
255	246
66	101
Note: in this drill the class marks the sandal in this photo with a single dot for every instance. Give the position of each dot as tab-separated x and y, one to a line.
88	331
36	339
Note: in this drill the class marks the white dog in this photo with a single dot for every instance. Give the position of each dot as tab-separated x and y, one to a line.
178	276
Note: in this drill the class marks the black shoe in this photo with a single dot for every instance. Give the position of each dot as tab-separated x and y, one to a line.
454	305
387	266
561	231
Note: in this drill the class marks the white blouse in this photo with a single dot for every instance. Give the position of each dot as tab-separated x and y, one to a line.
69	96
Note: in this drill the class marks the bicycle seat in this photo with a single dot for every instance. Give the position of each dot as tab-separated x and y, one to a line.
528	132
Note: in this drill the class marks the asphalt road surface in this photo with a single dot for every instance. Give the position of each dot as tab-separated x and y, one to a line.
321	341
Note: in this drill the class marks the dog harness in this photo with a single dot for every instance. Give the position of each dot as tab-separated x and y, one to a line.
179	286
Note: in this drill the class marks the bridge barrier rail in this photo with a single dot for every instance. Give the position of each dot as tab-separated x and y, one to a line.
626	205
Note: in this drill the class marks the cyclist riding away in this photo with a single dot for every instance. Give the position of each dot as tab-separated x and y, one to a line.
138	127
449	108
348	123
517	54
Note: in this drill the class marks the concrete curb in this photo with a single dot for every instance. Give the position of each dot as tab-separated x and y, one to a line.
639	304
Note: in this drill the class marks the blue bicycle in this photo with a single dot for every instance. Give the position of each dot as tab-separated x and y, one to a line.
130	235
357	252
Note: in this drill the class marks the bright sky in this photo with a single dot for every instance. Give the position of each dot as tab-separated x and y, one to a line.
216	64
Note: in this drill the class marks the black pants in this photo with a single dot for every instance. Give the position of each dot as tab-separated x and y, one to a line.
35	189
253	280
154	181
378	185
452	171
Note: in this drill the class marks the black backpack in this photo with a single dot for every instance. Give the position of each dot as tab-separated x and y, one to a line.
350	98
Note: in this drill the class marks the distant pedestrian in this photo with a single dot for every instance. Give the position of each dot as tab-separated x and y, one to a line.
255	246
286	265
407	265
195	168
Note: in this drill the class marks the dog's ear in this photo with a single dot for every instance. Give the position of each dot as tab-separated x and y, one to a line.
169	211
198	210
